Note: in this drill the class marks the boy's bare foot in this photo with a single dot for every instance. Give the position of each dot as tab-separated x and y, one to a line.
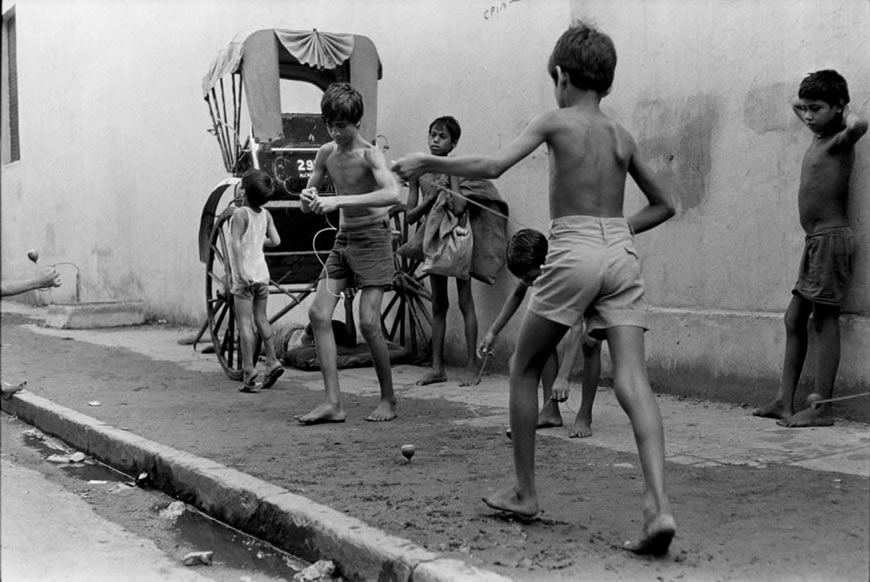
808	417
549	416
773	410
508	500
385	411
9	390
470	377
432	377
582	428
326	412
655	538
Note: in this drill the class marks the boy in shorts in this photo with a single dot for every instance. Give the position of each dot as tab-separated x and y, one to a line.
362	256
592	267
526	253
252	228
826	264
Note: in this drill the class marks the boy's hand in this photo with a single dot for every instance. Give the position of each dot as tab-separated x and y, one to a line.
410	167
47	277
324	204
485	346
308	196
561	394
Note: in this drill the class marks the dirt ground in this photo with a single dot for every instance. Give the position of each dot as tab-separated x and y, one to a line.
735	523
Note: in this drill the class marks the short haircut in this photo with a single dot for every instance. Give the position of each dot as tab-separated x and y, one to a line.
587	56
258	186
827	85
341	102
526	250
450	125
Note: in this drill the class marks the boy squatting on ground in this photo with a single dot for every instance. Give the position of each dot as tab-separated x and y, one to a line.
252	228
826	264
444	134
362	254
526	253
46	277
592	266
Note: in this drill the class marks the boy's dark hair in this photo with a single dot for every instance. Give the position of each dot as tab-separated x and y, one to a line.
341	102
258	186
450	125
587	56
526	250
827	85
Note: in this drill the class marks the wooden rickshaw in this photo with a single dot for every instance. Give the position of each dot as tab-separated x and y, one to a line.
253	74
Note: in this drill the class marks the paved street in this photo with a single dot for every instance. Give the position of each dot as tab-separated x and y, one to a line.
760	484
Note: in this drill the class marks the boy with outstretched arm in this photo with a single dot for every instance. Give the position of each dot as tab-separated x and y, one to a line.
362	256
826	264
592	266
526	253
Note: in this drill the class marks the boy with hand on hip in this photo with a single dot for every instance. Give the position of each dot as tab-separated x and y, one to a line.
526	253
252	228
362	256
444	134
592	266
826	264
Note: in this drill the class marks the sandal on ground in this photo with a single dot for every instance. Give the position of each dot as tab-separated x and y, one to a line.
272	376
251	384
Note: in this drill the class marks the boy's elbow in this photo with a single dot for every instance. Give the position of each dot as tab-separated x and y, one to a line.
492	170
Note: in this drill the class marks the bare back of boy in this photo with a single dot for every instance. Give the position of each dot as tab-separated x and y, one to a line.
589	159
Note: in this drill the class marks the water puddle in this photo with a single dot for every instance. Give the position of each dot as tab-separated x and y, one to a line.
236	555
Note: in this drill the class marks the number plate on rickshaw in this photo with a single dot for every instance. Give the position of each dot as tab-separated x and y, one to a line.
291	170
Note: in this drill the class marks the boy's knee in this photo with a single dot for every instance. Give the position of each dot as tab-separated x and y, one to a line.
440	307
318	316
370	328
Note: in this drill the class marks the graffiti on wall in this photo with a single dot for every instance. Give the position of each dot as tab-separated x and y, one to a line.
497	9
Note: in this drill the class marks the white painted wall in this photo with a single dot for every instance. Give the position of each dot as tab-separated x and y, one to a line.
116	162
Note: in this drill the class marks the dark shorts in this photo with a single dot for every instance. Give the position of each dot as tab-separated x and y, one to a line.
826	266
252	291
363	256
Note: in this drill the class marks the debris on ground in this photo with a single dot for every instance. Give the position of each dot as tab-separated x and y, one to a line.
173	511
198	559
321	570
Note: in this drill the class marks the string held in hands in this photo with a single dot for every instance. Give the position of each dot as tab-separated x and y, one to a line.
307	196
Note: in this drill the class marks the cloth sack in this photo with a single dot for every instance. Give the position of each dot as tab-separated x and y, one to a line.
447	246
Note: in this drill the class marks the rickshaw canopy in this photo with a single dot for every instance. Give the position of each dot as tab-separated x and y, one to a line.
264	57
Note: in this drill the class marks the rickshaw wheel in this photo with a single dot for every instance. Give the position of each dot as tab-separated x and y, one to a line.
219	301
406	316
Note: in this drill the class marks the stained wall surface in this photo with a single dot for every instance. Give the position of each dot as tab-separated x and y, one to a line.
116	161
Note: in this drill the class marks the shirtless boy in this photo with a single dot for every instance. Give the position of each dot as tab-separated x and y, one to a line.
826	264
362	256
592	266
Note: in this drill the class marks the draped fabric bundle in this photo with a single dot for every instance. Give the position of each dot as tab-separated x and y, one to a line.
447	246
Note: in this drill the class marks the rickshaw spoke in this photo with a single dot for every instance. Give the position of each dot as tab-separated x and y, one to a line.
229	343
423	309
218	255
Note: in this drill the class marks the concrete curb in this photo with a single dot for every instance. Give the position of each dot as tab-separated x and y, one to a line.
95	314
284	519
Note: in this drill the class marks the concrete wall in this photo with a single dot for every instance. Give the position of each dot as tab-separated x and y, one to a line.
116	161
706	87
